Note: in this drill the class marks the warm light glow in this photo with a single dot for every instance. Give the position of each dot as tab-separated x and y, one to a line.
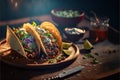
11	1
15	4
97	38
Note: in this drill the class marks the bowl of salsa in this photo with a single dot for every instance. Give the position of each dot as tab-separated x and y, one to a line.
67	17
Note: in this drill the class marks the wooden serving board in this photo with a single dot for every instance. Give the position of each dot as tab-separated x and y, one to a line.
11	57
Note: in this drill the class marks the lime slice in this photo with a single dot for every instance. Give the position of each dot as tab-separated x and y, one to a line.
67	52
66	44
87	45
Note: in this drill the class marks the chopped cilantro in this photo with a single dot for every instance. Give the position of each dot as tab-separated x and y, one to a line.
51	60
95	61
60	57
55	39
89	55
22	33
47	34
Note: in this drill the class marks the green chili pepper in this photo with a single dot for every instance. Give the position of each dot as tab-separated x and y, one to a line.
34	23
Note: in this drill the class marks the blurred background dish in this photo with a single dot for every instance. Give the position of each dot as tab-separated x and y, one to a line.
74	34
113	35
67	17
98	29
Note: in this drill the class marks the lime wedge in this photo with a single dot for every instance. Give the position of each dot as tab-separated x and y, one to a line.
87	45
66	44
67	52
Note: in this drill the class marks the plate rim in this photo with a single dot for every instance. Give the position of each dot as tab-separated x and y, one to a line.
42	65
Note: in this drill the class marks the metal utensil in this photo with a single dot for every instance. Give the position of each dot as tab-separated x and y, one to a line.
66	73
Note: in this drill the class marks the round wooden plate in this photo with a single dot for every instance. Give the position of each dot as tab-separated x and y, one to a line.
11	57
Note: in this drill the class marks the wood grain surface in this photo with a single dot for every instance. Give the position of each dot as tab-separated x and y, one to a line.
106	53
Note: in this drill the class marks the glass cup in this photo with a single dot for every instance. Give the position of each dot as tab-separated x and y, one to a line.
98	30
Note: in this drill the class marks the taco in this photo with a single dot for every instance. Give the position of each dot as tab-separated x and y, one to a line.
49	38
23	42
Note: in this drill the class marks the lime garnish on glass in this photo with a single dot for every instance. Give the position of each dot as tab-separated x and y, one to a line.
87	45
66	44
67	52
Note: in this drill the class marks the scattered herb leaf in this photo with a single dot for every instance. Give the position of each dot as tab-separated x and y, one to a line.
89	55
95	61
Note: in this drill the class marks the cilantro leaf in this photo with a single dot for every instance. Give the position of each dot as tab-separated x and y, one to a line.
47	34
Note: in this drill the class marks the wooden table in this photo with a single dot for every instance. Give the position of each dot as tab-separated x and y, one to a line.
105	52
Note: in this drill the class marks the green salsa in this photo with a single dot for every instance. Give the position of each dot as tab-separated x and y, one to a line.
67	13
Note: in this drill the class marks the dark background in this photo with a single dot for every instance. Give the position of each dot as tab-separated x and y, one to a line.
108	8
29	8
